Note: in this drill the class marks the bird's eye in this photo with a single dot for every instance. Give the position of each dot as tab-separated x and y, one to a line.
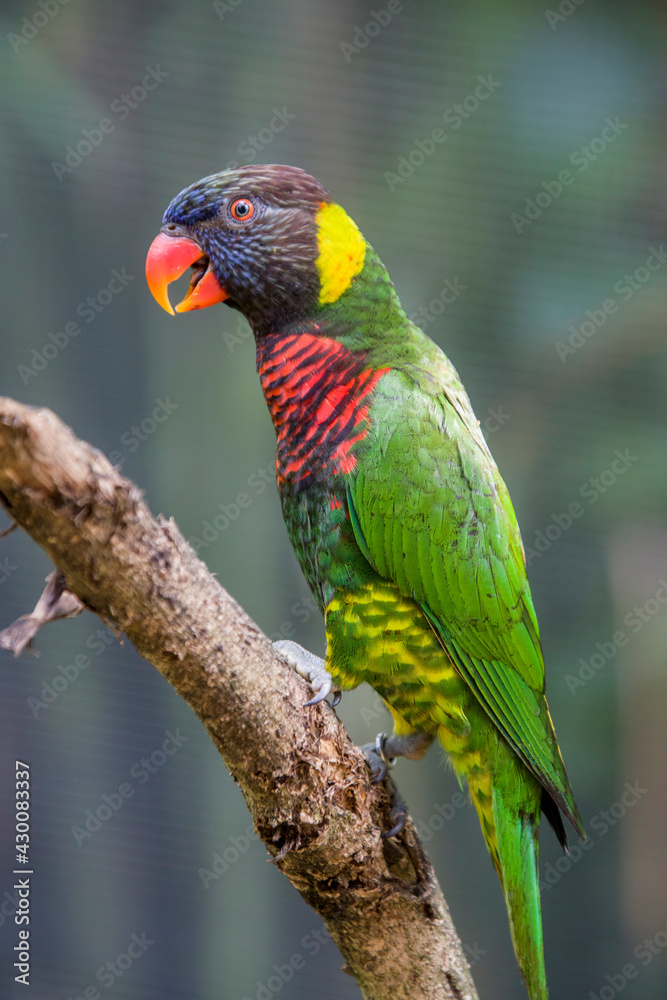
242	210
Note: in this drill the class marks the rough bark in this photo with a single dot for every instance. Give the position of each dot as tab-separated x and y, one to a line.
305	783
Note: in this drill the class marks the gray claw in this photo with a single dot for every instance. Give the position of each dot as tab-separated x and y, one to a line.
380	742
398	816
379	765
376	760
308	666
323	690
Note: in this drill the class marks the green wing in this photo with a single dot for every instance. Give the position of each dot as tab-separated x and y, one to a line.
431	512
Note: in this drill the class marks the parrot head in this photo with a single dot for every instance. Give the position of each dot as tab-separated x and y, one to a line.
267	240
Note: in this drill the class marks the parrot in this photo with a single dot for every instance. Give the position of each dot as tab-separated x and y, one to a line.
395	508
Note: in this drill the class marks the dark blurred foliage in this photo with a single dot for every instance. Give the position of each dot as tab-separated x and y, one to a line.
555	417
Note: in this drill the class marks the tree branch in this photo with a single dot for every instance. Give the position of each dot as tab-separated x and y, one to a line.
305	783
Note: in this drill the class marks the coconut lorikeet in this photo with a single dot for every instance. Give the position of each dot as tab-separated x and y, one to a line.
396	510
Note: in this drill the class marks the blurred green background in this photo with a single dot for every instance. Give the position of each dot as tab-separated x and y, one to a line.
557	327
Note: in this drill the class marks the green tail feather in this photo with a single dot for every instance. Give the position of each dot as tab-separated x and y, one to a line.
518	850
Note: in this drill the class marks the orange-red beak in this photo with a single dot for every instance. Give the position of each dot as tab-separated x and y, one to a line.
168	258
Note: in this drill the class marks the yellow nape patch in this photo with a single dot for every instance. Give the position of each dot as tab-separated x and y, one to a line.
342	250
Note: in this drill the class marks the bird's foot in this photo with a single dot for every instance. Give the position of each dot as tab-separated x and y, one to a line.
381	756
379	764
377	759
311	668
